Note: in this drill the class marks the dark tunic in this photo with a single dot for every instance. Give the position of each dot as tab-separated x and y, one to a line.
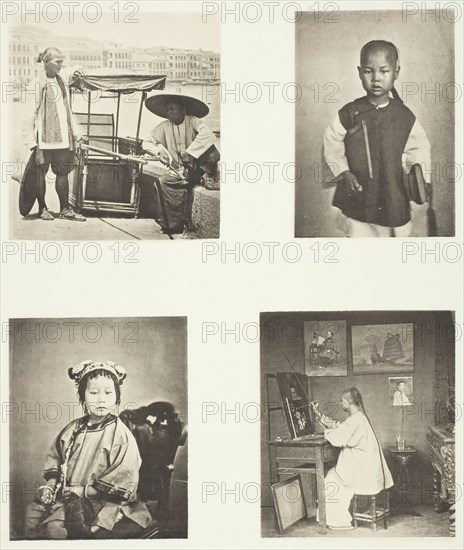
383	200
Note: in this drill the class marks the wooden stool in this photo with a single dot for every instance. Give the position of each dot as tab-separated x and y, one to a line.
373	514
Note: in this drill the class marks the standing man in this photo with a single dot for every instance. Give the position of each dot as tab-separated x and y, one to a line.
50	132
361	467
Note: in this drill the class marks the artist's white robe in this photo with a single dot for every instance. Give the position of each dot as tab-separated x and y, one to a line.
359	467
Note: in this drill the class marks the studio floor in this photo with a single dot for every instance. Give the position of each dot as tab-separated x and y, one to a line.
424	523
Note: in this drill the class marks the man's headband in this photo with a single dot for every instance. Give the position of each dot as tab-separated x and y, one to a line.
78	371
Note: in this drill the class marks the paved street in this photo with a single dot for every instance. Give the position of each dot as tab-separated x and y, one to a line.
94	229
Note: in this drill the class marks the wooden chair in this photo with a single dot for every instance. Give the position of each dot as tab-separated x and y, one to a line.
159	433
373	514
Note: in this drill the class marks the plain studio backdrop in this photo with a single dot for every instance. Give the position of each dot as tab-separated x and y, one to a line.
327	56
152	350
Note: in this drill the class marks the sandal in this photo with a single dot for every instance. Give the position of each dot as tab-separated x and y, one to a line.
46	215
69	214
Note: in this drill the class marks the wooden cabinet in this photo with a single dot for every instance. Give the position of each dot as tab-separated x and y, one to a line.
443	461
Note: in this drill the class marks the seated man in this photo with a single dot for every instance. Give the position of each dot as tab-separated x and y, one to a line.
185	145
361	468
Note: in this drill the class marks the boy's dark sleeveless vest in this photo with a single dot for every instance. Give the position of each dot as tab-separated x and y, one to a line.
383	199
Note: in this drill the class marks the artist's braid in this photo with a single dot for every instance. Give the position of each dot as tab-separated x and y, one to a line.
396	95
357	398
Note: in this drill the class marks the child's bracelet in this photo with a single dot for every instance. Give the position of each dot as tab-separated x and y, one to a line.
85	489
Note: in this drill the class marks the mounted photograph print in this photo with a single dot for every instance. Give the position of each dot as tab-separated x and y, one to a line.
400	391
105	454
383	348
367	132
118	133
372	466
325	348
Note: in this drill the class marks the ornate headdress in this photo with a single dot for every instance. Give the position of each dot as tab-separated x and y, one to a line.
78	371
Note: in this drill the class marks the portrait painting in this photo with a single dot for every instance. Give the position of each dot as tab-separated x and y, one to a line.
325	348
400	391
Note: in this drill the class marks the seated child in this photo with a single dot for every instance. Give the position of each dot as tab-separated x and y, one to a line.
95	457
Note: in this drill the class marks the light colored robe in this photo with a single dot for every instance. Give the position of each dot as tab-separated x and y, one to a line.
106	454
32	114
192	136
361	467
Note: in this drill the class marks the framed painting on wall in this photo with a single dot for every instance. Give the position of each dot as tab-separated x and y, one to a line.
325	348
383	348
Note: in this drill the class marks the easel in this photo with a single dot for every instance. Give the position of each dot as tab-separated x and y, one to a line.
318	453
302	385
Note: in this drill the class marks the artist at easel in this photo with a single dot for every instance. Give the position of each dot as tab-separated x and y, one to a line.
361	466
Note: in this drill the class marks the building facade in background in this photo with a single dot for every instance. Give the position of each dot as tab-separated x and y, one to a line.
177	64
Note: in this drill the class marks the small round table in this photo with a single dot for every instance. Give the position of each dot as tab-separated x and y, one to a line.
402	459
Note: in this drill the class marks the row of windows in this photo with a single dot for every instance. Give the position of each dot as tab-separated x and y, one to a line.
85	57
148	64
22	48
120	64
120	55
21	72
19	60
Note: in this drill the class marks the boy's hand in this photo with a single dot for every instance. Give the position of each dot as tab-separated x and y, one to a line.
351	181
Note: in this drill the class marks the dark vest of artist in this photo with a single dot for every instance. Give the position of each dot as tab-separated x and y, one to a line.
383	200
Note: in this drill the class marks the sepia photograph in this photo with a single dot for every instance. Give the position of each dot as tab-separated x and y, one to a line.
400	391
375	124
362	467
119	132
98	428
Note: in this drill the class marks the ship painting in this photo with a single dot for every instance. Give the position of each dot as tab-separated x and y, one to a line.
392	350
383	348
